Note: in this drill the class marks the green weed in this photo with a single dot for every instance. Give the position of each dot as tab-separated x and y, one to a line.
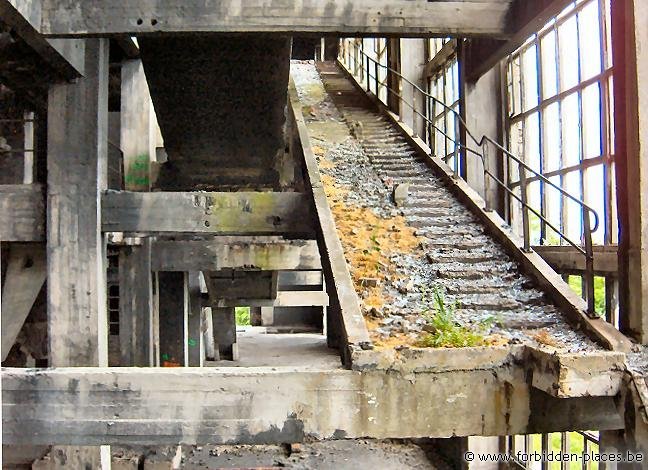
242	315
443	331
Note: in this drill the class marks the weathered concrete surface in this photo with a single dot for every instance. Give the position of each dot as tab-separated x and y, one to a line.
85	406
22	212
573	375
326	455
220	103
348	17
248	253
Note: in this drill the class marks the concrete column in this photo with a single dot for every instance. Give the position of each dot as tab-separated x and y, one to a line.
77	151
194	321
135	126
630	42
482	108
76	164
224	325
172	295
412	61
136	305
135	309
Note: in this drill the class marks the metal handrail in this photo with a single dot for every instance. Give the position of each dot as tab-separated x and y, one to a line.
483	143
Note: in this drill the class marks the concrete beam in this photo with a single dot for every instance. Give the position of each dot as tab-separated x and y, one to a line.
224	405
206	212
283	299
345	17
237	284
576	375
215	254
22	213
566	259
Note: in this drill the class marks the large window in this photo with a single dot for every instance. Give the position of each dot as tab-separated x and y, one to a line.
443	84
559	102
559	99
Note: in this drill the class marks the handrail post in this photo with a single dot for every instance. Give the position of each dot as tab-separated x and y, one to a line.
376	78
359	63
368	74
432	129
525	208
414	114
487	196
589	264
457	148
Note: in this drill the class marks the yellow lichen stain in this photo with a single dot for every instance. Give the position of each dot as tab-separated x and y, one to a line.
544	337
326	164
317	150
368	241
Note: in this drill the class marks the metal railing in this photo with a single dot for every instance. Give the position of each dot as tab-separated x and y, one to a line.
362	68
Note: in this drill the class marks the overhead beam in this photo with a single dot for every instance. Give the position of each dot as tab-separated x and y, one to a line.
24	18
283	299
344	17
157	406
127	45
526	18
215	254
206	212
566	259
22	213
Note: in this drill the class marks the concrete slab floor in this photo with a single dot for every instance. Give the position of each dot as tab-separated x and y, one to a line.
259	349
337	455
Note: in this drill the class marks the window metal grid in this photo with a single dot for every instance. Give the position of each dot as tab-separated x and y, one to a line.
559	120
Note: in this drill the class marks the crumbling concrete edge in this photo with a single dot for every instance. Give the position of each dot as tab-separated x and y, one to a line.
569	303
558	374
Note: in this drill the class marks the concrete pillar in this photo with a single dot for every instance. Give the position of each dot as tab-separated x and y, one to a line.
630	43
136	305
135	278
224	325
482	108
412	61
172	295
135	126
76	164
195	346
